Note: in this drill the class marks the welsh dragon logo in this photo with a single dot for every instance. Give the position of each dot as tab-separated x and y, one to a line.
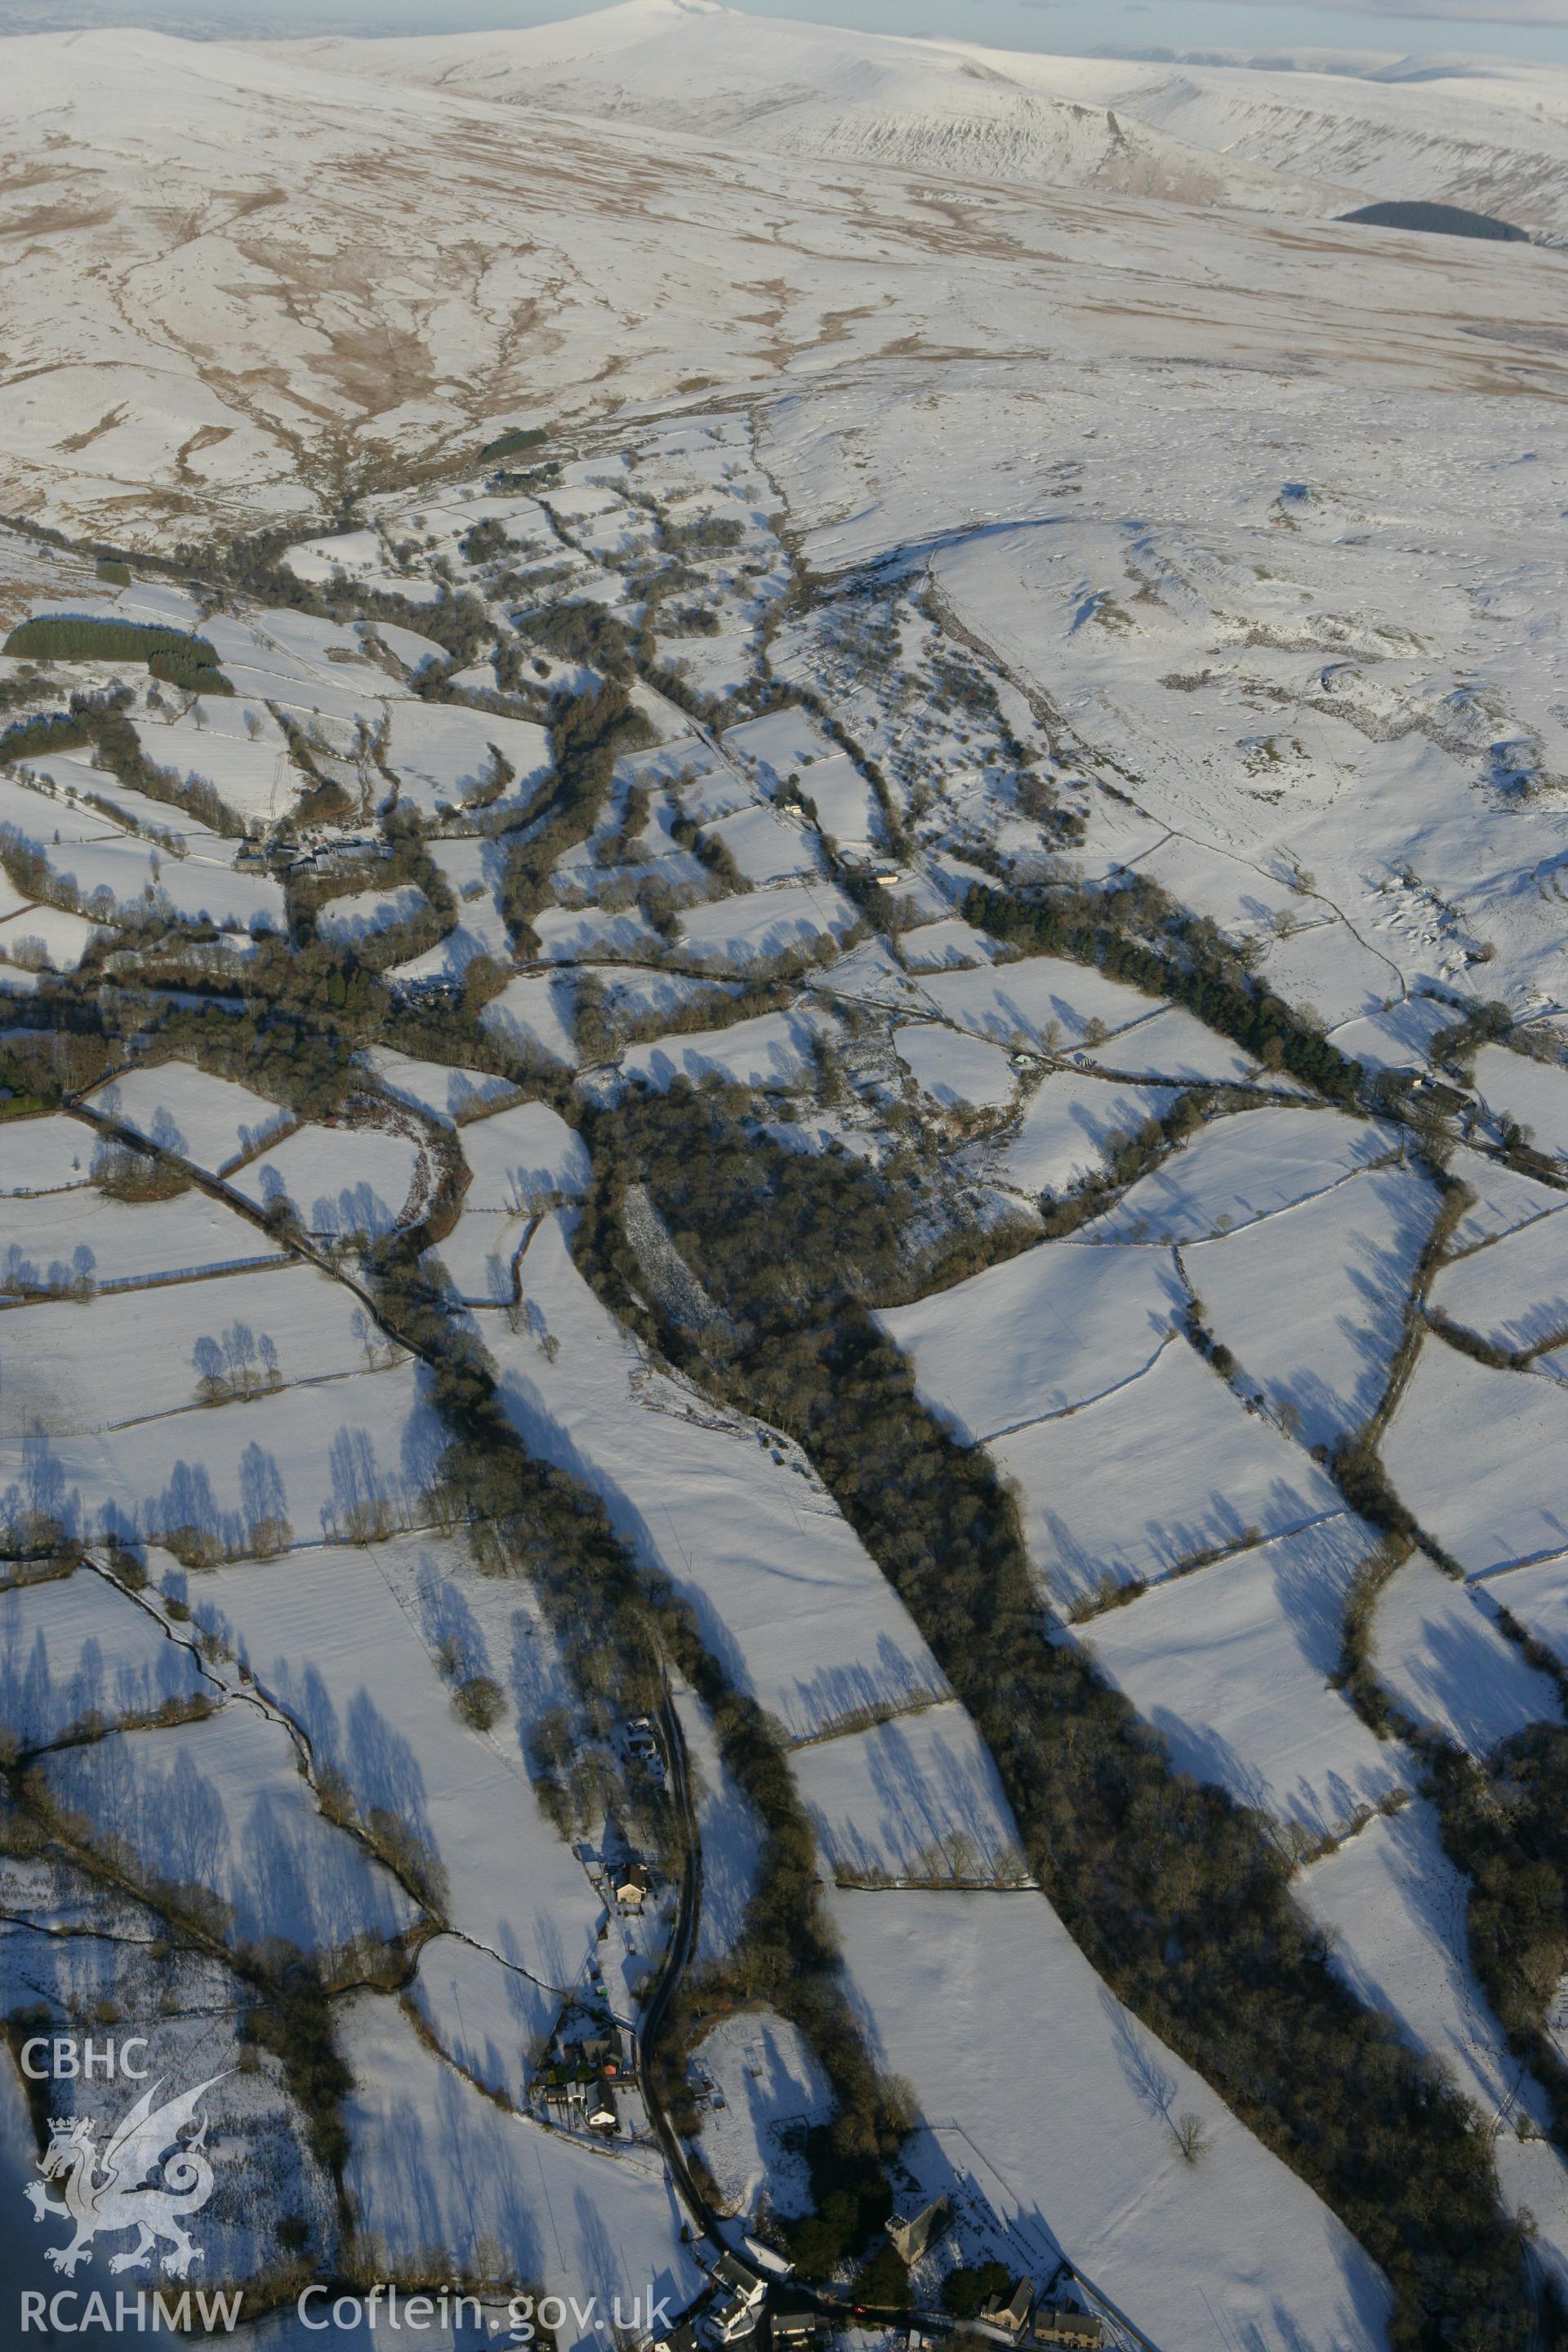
102	2195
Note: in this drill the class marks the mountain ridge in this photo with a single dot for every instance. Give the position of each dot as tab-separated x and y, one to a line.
822	90
250	289
1296	142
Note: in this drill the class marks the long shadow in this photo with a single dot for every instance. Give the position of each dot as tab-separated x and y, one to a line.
1482	1695
383	1767
41	1695
451	1627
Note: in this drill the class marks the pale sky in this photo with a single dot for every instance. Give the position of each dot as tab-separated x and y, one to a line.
1519	28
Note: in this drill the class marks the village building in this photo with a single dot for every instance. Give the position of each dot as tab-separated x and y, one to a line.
1081	2329
794	2322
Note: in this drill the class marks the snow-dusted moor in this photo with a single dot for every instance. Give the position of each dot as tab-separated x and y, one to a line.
784	1193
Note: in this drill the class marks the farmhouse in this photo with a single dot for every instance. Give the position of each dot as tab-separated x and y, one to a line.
630	1885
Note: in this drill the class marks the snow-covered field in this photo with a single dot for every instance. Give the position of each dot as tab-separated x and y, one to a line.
114	875
845	805
521	1158
1445	1658
125	1357
940	946
46	1155
1506	1199
1533	1094
221	1805
1149	1479
480	1251
361	914
83	1235
1234	2242
1536	1598
783	1590
1479	1455
1066	1125
448	1093
532	1014
1048	1330
1171	1045
212	1122
309	1465
238	749
567	934
1394	1906
914	1799
1312	1300
1242	1168
766	2079
76	776
340	1181
445	755
1038	1001
779	745
766	923
958	1072
73	1648
773	1051
344	1639
47	938
1232	1663
870	973
731	1832
1514	1293
485	2013
1398	1906
472	870
765	848
434	2165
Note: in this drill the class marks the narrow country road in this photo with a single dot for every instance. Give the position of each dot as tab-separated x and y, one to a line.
677	1959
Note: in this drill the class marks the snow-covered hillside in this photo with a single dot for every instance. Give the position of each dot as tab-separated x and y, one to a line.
820	89
1480	132
233	272
1470	131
